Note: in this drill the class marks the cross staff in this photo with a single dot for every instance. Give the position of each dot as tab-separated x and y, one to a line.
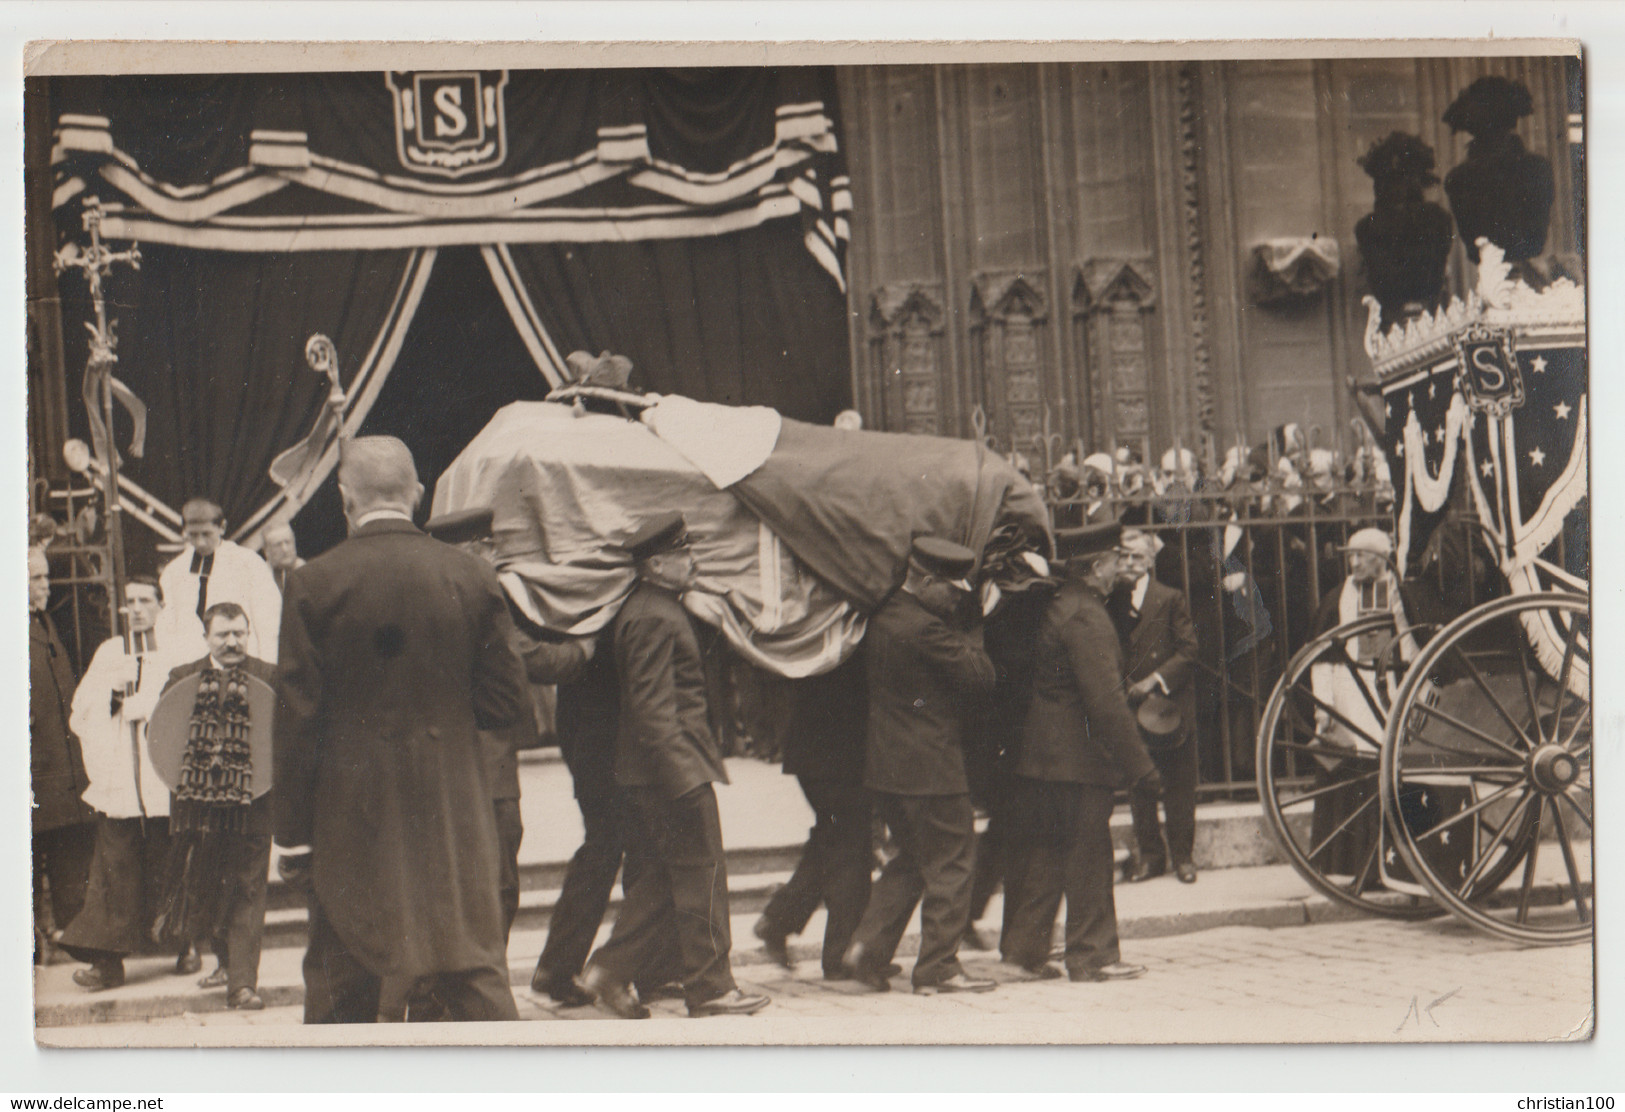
96	261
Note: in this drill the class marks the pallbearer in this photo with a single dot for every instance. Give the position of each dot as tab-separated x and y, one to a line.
675	916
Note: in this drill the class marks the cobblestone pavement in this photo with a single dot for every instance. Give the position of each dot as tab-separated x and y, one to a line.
1364	981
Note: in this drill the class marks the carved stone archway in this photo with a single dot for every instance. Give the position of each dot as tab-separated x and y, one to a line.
1008	317
906	321
1112	302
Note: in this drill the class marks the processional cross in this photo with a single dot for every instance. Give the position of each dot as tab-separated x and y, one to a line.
100	387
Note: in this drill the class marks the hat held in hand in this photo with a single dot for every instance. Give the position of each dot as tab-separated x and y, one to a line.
1159	718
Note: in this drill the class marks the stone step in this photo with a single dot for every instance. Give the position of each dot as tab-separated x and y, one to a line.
1271	896
1228	835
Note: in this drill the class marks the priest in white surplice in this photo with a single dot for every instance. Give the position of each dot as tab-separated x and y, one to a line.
209	570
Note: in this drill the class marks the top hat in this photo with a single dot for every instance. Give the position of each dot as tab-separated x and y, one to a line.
661	533
943	559
461	526
1089	540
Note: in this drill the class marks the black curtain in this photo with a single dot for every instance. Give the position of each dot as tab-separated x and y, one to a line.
462	360
748	318
214	344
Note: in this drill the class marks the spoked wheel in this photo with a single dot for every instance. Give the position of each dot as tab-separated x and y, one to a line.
1487	764
1318	764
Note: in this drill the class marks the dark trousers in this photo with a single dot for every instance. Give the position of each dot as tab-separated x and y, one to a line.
679	897
339	989
936	840
992	854
1178	768
588	879
1066	836
834	868
121	899
510	832
236	942
61	871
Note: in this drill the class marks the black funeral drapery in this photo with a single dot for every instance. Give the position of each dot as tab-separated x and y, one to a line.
694	220
214	344
746	319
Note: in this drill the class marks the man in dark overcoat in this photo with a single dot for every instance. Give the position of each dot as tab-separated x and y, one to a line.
926	673
63	826
823	750
1080	743
1160	654
587	721
394	653
234	890
675	915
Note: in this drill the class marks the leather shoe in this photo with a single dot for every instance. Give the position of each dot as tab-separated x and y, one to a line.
614	997
774	944
847	973
959	982
1116	971
561	990
1043	971
1144	870
245	1000
188	963
731	1003
217	978
1186	872
100	977
867	972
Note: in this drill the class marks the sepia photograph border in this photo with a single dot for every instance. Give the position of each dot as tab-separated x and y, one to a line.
43	57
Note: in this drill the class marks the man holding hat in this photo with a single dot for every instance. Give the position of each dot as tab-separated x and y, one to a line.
922	668
675	915
1081	742
1159	641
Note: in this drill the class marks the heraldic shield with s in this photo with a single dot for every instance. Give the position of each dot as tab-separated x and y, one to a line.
1486	408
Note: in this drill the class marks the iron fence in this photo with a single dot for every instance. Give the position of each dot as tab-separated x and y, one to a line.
1257	569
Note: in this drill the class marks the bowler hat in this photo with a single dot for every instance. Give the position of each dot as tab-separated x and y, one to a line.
660	533
1159	718
461	526
1087	541
943	559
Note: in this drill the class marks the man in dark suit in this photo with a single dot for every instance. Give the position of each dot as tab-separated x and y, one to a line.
231	894
675	916
823	750
587	720
63	825
925	673
1081	742
1160	654
394	653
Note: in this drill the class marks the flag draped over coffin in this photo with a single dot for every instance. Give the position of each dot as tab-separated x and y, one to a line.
798	531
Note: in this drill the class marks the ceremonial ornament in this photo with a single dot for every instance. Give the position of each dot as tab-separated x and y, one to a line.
171	723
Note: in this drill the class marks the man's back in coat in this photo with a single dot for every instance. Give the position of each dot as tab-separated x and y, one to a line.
394	653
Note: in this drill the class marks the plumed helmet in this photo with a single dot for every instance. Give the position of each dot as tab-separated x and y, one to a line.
1400	157
1489	106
